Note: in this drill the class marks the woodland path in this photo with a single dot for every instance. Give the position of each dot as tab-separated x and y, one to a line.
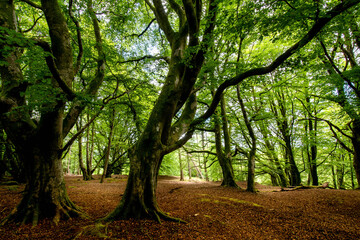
212	212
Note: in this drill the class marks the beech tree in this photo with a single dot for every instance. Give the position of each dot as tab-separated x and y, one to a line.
188	28
38	135
161	135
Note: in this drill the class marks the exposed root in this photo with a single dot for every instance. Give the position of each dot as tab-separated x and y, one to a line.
168	218
96	230
32	213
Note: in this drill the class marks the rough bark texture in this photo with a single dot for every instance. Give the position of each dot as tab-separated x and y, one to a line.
160	135
39	145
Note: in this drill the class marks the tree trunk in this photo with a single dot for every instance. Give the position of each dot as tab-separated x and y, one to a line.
139	199
82	168
39	146
189	165
45	193
224	160
108	148
181	167
252	152
283	125
270	151
334	176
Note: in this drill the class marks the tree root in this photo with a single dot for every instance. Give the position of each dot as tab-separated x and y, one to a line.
324	186
31	213
166	217
96	230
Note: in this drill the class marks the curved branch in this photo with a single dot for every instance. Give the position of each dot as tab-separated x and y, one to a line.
143	32
54	71
337	70
163	20
279	60
179	11
78	32
32	4
32	27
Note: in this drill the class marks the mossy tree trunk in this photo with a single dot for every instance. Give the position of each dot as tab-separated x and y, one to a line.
161	135
39	144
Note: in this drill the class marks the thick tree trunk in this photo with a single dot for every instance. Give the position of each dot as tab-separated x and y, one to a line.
139	199
39	145
45	193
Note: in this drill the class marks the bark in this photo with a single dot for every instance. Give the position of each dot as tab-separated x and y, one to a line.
160	136
39	145
83	170
45	193
204	158
188	165
312	154
181	167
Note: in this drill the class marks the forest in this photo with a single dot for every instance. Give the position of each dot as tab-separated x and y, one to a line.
233	99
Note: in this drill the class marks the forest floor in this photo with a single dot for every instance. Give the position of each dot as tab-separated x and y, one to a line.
211	212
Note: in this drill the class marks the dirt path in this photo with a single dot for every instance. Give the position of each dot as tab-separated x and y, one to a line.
212	212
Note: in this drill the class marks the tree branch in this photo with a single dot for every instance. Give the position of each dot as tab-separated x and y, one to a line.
163	20
53	69
78	32
32	4
316	28
166	59
143	32
32	27
179	11
357	92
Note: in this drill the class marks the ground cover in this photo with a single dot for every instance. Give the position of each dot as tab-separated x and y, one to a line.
211	212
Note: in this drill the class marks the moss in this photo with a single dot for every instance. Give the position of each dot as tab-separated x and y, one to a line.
234	200
12	188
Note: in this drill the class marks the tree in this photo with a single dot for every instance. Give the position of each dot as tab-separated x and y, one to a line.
39	143
160	136
252	152
344	78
